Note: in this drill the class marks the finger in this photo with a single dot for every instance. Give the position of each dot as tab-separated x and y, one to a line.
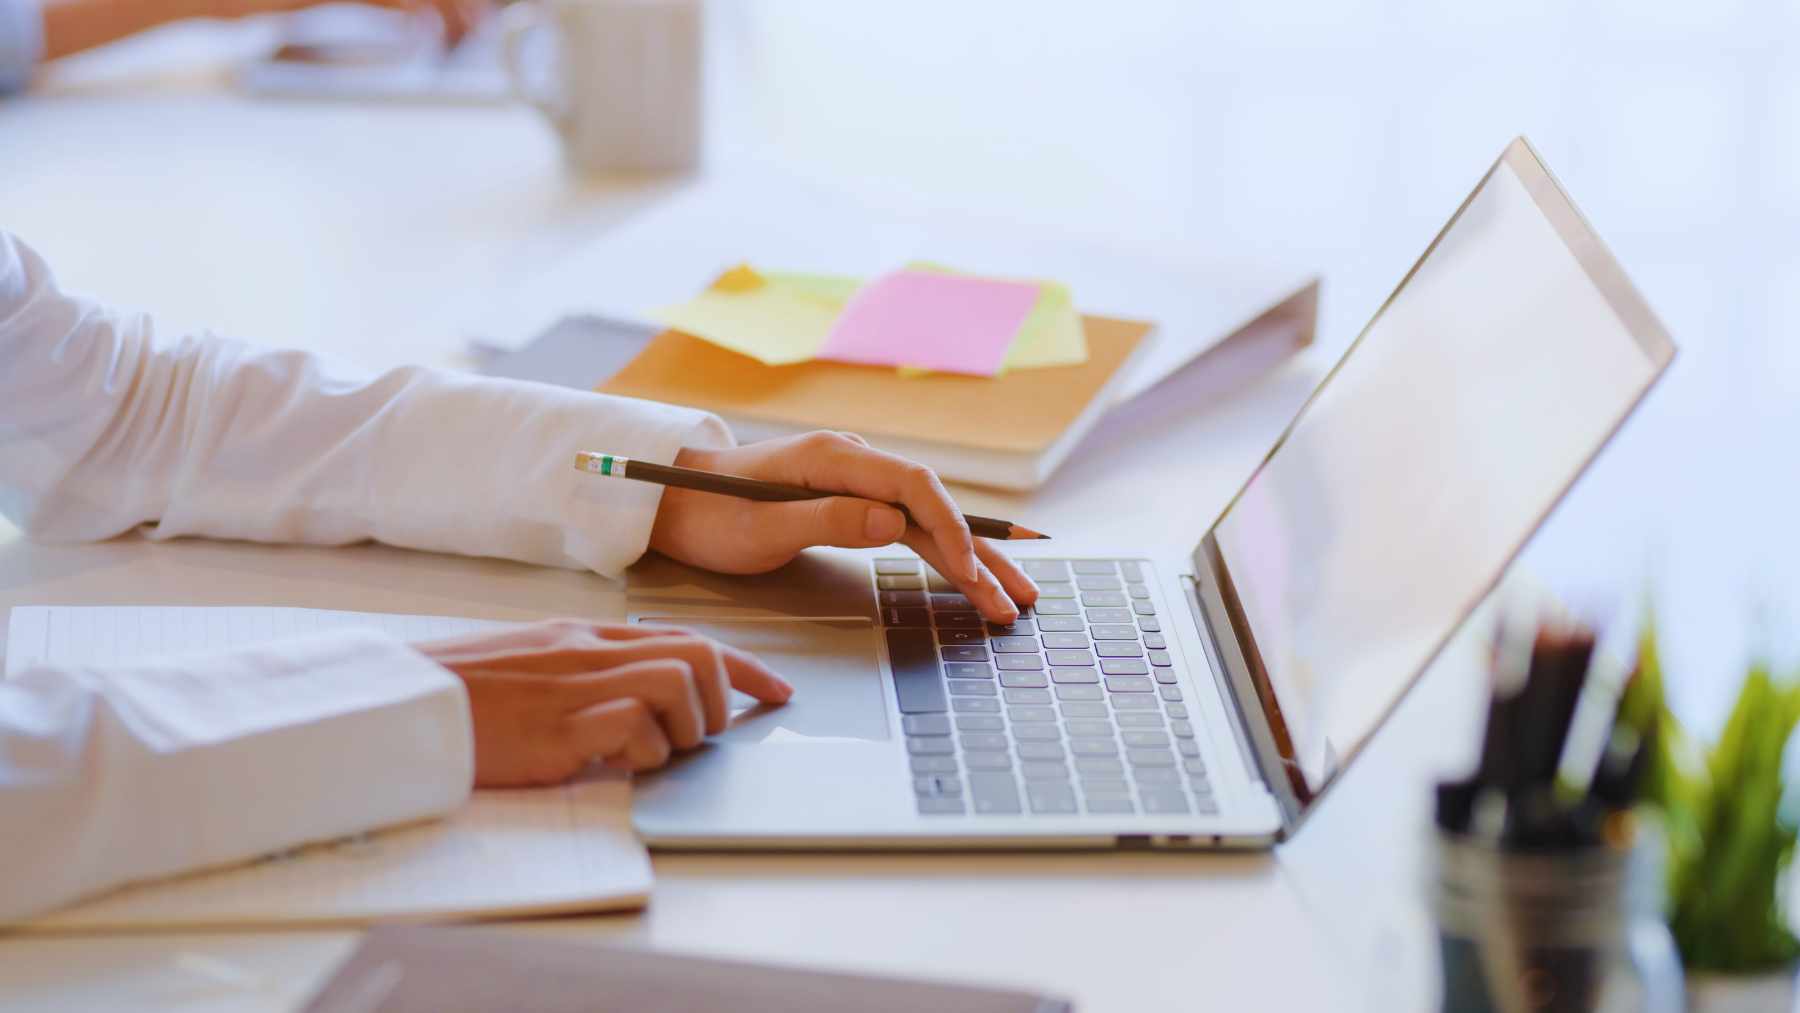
716	666
455	19
665	685
622	732
838	464
1016	582
837	520
984	591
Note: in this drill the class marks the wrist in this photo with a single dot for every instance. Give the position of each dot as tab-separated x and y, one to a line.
676	503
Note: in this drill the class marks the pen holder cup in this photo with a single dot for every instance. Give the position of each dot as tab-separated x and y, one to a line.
1572	930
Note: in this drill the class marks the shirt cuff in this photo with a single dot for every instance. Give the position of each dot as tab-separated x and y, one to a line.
21	42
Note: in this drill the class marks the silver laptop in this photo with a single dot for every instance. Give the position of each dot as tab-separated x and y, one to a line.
1210	701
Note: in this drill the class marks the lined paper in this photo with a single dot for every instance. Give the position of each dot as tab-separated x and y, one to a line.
505	854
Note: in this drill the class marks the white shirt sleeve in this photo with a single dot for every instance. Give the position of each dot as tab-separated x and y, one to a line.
104	428
21	42
111	776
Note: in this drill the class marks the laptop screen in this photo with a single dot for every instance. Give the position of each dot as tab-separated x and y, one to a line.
1424	462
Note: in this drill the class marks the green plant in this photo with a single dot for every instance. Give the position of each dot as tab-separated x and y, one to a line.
1729	841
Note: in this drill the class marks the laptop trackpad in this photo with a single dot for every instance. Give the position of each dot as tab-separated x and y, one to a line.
833	665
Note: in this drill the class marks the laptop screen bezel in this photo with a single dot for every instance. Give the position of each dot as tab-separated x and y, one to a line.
1227	626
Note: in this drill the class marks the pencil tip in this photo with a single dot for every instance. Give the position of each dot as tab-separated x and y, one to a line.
1020	532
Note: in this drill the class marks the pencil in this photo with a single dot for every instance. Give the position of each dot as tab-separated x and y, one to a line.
615	466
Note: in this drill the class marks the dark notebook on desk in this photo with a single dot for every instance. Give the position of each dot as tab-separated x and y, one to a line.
434	970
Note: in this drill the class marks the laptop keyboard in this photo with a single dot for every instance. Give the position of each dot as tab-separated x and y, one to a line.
1074	708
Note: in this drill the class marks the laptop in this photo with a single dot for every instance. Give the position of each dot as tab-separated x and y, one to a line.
1209	701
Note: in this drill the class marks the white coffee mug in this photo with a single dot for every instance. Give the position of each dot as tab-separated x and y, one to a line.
624	93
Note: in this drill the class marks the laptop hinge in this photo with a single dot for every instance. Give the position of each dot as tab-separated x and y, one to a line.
1215	661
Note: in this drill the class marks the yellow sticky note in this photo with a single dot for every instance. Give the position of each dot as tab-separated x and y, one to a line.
776	317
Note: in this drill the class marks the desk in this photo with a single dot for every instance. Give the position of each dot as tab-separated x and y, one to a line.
321	226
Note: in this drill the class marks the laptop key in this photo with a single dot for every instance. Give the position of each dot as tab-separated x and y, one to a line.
1025	715
984	742
1045	569
951	637
1155	641
1119	649
900	583
1065	641
897	565
905	617
1124	666
917	684
1114	631
972	687
1082	708
929	786
1079	658
1060	624
906	599
1051	799
941	807
926	724
1078	692
1057	607
1091	729
1140	719
1097	582
1132	569
1187	747
974	705
1102	785
994	794
1157	776
1023	680
1182	729
1206	806
1144	737
1132	702
1019	662
1161	658
1127	684
968	670
934	764
965	652
1013	645
979	723
1044	770
1138	590
1093	747
1103	599
1109	615
1055	589
1074	675
1166	676
1164	800
930	747
988	761
959	620
935	582
1142	608
1037	733
1149	624
951	603
1093	566
1028	696
1145	757
1039	750
1016	628
1108	765
1170	693
1108	805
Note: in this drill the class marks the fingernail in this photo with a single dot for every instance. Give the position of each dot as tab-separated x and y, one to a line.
787	690
883	524
971	567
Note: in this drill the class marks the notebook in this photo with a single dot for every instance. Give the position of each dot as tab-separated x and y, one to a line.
505	854
438	970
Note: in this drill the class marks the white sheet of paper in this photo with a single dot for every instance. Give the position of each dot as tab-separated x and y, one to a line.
506	853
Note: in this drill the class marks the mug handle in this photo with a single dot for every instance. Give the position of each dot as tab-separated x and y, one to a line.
518	21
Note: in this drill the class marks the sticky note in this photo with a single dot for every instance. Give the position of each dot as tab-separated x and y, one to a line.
942	322
774	317
1051	336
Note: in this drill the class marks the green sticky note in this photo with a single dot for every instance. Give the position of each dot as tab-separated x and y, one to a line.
782	321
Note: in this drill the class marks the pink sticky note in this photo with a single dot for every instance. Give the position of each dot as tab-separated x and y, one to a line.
943	322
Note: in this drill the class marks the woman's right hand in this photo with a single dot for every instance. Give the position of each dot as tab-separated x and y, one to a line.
549	698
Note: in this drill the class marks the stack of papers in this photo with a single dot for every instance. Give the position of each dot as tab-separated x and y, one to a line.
922	318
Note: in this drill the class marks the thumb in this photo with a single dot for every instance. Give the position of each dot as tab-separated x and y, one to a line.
844	521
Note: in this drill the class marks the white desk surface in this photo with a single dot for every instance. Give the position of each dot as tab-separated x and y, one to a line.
1178	131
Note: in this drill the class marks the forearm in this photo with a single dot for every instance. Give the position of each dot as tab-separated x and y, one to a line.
71	26
117	775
